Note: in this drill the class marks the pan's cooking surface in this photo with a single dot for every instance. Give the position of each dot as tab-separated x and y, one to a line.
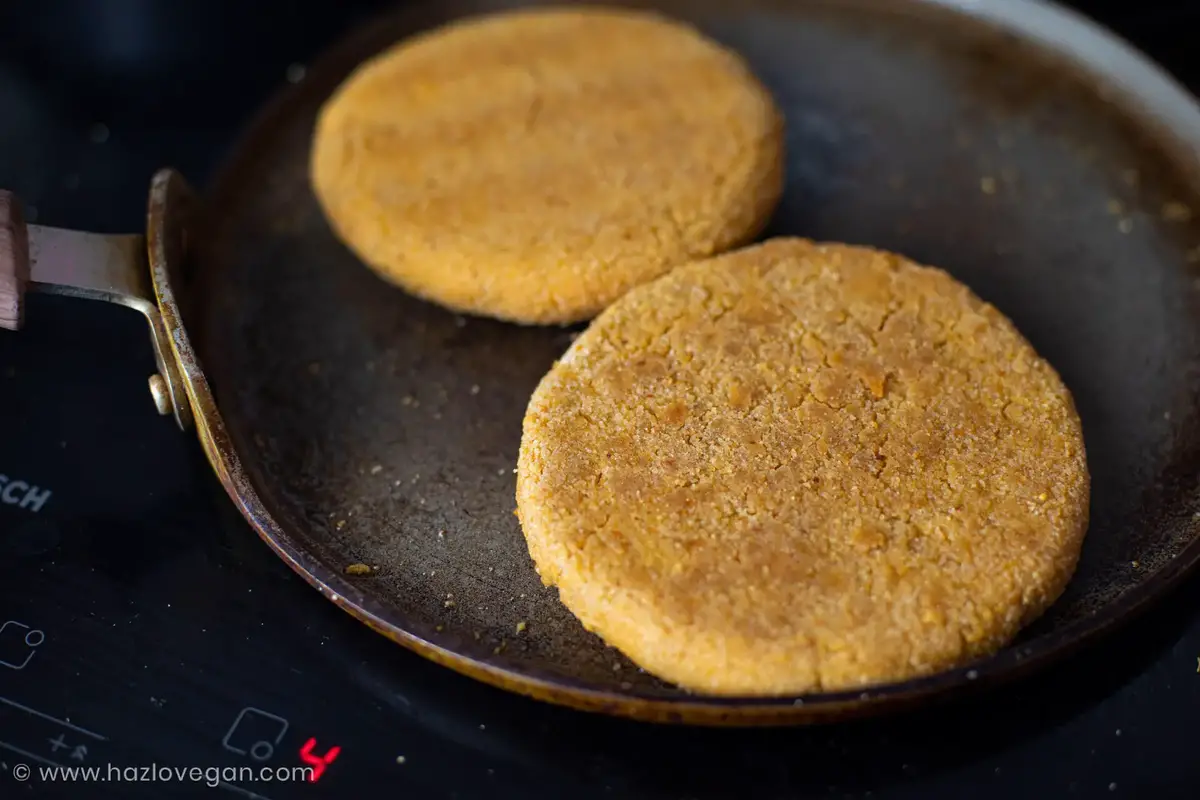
381	430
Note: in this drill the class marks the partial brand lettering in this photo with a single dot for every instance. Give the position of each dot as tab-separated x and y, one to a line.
22	494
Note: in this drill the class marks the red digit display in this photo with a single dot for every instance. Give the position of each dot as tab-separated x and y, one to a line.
317	762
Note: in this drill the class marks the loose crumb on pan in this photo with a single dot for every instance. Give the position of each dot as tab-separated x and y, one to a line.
358	569
1176	212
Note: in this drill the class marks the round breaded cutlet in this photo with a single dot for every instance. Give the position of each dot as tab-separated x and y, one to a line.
802	467
534	165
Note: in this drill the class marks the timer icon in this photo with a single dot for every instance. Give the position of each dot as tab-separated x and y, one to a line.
255	733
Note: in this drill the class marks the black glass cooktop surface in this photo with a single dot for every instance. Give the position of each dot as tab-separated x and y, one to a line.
147	635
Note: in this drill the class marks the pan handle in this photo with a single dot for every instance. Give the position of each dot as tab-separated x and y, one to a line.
110	268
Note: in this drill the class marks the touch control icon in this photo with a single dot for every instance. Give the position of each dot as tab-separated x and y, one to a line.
255	733
18	643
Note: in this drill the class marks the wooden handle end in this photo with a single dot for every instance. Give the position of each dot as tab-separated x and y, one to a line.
14	262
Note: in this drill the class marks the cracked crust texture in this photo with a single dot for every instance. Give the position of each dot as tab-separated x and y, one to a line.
803	467
533	166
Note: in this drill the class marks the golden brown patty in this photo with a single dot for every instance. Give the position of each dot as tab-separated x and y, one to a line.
535	165
801	467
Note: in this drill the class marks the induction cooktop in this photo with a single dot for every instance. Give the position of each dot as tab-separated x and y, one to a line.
152	646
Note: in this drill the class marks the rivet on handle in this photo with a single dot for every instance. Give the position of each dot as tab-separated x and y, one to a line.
161	394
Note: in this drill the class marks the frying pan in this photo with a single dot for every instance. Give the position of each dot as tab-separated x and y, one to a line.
370	438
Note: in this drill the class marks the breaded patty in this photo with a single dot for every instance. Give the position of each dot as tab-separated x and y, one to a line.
535	165
802	467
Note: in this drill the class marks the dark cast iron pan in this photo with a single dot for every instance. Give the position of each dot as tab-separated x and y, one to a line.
1014	144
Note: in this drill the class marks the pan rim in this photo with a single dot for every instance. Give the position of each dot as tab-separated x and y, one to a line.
1145	90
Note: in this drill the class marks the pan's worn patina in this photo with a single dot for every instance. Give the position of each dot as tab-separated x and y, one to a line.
371	438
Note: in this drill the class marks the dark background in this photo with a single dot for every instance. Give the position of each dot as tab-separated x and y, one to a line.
97	94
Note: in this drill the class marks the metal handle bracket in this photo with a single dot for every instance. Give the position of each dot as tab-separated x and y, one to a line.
119	269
